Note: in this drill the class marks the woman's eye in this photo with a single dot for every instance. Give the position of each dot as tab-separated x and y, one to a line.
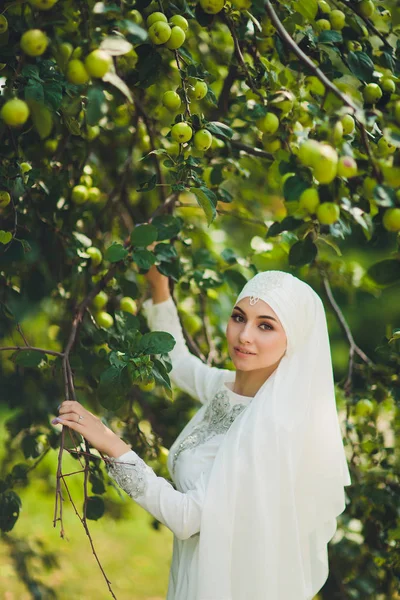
269	328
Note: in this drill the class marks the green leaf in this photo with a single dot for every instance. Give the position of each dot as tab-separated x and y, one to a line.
156	342
384	195
117	82
361	65
207	200
302	253
143	258
94	507
53	94
220	129
5	236
235	279
144	235
385	272
115	252
330	37
165	252
115	45
96	105
229	256
293	188
72	125
109	375
307	8
161	374
42	118
28	358
34	91
10	504
136	33
167	226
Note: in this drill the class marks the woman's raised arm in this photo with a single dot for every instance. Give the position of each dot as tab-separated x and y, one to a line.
189	373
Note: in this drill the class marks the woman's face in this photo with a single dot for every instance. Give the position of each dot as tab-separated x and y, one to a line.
255	328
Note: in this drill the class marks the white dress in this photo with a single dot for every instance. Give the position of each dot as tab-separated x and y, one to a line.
191	455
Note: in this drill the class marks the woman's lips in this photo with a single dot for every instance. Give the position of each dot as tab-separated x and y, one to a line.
242	353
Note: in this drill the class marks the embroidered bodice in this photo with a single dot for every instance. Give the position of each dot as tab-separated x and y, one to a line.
218	417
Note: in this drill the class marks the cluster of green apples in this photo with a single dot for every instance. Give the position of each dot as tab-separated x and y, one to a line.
95	64
104	318
280	105
171	34
335	19
85	191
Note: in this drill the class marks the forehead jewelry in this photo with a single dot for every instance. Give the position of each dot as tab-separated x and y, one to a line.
254	299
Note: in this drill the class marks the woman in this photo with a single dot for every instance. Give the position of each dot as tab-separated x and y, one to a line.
260	469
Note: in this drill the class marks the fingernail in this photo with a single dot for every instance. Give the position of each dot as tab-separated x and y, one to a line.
58	407
54	421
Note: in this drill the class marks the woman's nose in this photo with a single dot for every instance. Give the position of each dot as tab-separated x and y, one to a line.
245	334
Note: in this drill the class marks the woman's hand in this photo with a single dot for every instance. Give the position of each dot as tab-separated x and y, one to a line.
74	415
156	279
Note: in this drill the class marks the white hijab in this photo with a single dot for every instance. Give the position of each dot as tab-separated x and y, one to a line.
277	482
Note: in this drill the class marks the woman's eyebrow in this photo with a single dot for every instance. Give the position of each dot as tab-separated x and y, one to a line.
258	316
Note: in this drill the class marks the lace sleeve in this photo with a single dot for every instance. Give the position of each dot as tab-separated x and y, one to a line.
130	476
180	512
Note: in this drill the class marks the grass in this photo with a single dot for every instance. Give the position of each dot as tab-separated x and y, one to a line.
136	558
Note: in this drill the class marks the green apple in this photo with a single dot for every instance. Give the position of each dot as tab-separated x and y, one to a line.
100	300
192	322
391	174
241	4
397	111
328	213
92	132
97	63
324	7
148	385
86	180
5	198
198	91
3	24
79	194
95	255
385	148
128	305
309	152
348	124
325	167
180	21
322	25
34	42
266	44
43	4
388	85
364	407
176	38
159	32
354	46
171	100
50	146
104	319
337	133
269	123
202	140
347	167
309	200
305	116
337	19
391	219
181	132
372	93
212	7
76	72
94	194
154	17
15	112
313	84
366	8
163	455
283	100
271	145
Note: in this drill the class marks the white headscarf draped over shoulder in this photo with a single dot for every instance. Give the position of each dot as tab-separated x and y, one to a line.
277	482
